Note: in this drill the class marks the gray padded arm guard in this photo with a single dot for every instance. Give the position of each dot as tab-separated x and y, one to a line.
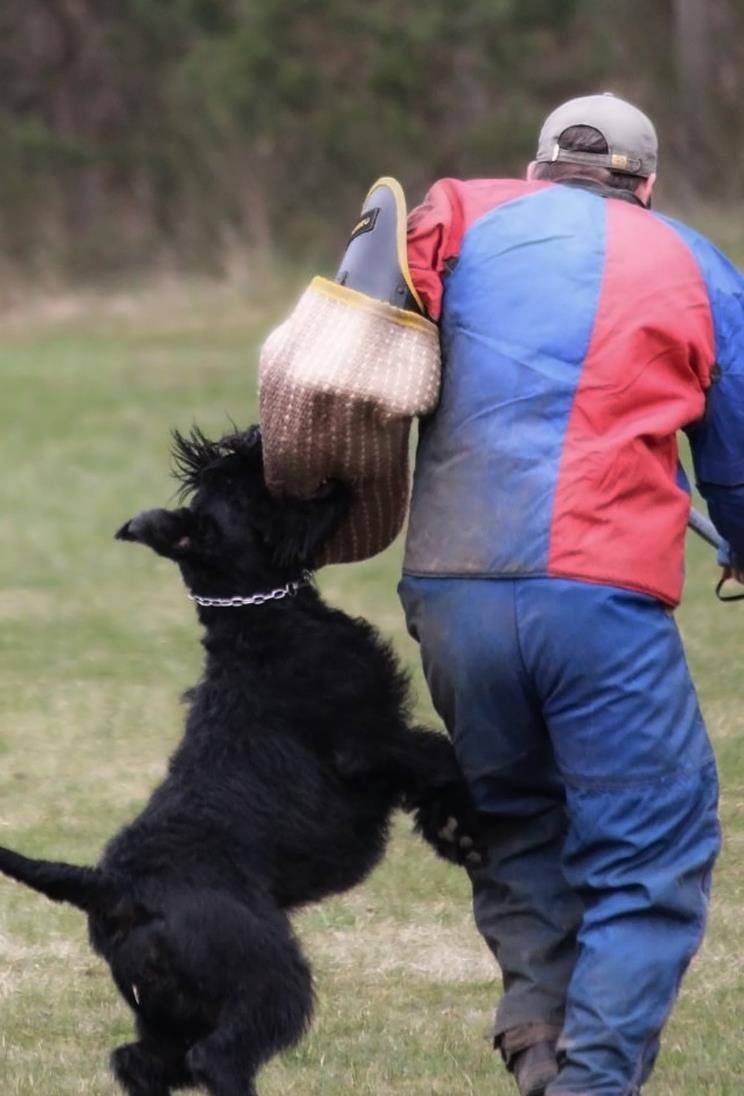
375	261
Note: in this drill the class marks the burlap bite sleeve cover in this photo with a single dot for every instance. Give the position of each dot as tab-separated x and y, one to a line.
339	383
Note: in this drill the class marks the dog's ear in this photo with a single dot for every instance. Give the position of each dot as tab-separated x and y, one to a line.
167	532
294	529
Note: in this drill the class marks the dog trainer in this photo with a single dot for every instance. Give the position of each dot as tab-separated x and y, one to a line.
580	331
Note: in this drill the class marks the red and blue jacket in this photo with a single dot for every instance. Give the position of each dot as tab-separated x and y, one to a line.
580	333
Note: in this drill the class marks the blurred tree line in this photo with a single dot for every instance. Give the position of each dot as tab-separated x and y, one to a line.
133	131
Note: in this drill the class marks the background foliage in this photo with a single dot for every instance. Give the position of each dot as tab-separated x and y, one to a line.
186	131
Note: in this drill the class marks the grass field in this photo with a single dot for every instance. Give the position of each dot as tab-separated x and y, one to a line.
98	642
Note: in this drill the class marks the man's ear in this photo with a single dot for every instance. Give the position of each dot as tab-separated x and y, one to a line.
645	189
294	529
167	532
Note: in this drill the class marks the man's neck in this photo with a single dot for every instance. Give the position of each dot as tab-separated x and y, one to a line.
602	189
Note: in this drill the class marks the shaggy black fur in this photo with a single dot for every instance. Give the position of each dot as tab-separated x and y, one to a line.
296	750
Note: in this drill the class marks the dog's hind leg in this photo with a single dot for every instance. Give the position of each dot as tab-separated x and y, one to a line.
268	1014
150	1068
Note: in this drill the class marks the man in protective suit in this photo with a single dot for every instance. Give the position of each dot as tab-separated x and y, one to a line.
580	332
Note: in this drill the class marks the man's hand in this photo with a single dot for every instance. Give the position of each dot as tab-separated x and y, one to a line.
734	573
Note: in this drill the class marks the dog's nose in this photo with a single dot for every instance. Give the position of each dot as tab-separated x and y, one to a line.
136	526
125	532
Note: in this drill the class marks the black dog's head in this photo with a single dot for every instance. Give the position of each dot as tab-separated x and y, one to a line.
234	537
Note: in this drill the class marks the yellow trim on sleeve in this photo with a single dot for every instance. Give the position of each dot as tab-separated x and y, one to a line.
401	225
356	299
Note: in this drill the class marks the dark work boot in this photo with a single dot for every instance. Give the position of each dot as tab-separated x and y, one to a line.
534	1069
528	1051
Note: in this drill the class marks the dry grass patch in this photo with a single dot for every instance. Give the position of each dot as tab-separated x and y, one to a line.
435	953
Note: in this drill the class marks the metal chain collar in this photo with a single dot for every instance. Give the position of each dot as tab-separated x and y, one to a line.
254	599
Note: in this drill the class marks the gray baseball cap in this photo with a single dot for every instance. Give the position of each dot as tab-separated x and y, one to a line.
630	135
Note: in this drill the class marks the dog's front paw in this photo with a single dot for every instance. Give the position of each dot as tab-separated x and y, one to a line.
457	842
449	823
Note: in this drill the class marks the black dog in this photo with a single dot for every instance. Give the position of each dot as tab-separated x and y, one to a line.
296	750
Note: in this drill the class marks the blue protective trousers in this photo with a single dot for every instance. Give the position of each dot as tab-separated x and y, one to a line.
578	729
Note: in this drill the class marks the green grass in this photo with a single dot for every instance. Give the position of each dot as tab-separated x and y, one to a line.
98	641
